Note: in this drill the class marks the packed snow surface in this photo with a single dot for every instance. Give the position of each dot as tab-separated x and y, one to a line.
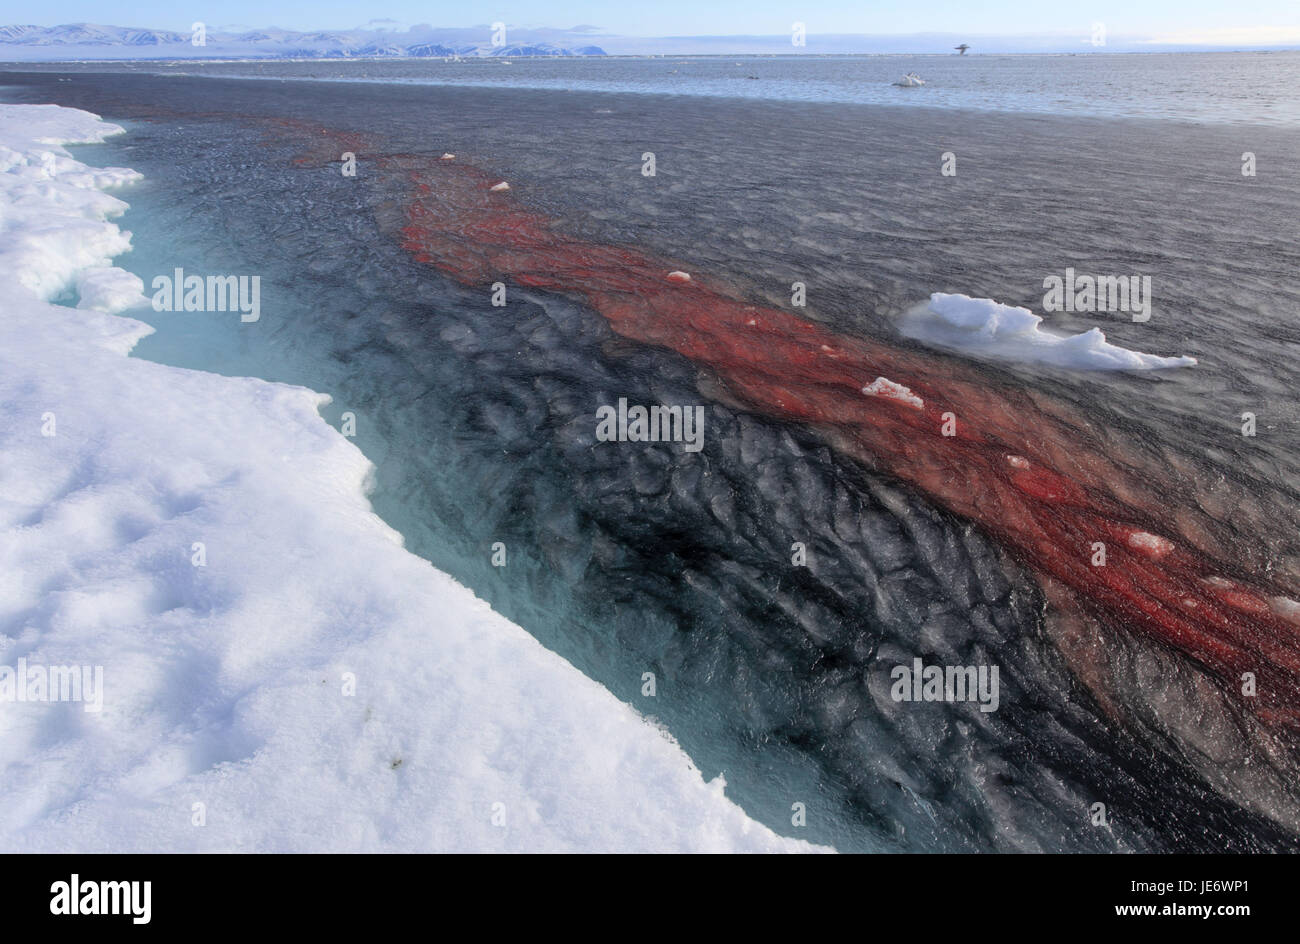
278	673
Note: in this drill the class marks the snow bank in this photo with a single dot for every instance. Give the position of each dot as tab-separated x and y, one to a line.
985	328
227	722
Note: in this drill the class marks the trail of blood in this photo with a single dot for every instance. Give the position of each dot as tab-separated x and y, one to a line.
980	451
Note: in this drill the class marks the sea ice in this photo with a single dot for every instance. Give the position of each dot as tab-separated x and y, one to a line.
886	388
983	327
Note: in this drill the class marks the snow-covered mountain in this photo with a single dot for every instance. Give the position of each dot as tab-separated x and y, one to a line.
88	34
91	41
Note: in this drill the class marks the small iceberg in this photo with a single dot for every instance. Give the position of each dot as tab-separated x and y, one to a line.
982	327
887	389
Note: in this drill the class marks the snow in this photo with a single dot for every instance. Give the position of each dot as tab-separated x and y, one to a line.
986	328
225	686
79	42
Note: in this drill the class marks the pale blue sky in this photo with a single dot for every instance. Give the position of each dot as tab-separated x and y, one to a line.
690	17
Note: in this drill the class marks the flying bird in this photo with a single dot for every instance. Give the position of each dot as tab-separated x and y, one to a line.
962	48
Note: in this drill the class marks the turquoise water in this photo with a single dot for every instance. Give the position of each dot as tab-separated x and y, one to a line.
414	418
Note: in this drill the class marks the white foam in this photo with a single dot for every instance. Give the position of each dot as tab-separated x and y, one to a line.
985	328
224	684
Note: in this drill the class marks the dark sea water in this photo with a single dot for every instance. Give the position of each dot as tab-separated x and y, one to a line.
644	558
1240	87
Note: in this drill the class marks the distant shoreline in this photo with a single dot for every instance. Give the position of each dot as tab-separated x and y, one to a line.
1258	90
209	60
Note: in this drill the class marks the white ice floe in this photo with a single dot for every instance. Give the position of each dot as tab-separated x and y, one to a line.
226	722
985	328
889	390
1152	545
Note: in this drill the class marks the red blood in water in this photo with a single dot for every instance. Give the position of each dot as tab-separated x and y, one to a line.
1017	465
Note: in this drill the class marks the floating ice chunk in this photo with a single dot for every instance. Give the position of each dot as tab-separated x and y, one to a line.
1152	545
985	328
501	186
883	387
679	276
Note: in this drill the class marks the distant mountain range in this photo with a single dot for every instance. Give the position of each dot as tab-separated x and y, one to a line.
387	39
91	41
